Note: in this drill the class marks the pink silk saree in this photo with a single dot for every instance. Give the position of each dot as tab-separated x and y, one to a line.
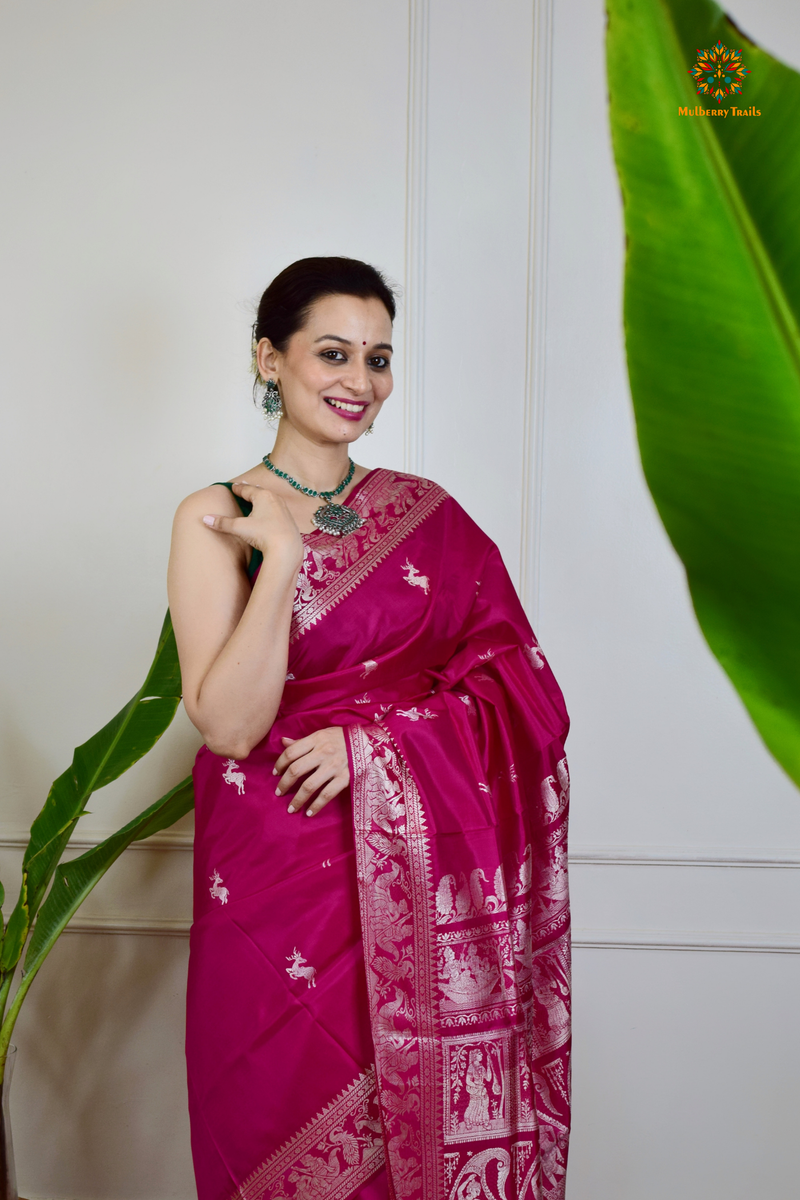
379	996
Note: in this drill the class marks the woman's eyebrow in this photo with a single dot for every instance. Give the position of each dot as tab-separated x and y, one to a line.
333	337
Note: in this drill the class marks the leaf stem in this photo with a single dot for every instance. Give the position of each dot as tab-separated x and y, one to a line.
5	988
10	1021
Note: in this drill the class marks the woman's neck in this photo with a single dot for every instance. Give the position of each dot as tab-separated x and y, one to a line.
320	467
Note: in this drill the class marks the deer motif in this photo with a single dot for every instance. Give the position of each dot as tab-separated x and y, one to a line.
231	776
414	578
217	891
300	968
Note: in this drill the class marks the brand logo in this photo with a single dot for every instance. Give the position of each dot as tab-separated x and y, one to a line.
719	72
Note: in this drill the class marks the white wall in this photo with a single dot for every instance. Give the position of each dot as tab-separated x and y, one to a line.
687	1062
161	161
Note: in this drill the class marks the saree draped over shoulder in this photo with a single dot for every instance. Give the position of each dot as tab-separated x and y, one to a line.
379	997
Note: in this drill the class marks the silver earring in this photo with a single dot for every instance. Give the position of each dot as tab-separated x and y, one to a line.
271	400
371	429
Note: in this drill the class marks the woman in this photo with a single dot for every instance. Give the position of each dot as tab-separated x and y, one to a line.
351	643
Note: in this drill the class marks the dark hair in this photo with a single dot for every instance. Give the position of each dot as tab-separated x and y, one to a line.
285	304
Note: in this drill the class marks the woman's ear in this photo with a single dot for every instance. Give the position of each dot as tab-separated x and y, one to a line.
267	360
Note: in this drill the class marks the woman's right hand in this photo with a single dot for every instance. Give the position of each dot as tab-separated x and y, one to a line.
270	527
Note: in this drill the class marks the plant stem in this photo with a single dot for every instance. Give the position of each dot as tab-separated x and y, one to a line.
10	1021
5	988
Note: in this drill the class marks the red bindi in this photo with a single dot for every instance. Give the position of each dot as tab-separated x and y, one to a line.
363	343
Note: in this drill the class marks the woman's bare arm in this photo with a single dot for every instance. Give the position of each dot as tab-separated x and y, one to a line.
233	641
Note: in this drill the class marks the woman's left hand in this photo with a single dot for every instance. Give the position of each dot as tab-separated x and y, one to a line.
322	756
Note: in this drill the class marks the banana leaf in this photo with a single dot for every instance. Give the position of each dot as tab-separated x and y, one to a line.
712	309
121	743
74	880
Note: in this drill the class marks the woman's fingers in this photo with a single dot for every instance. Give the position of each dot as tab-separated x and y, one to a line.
331	790
296	749
234	525
296	770
322	787
311	785
322	757
269	527
243	487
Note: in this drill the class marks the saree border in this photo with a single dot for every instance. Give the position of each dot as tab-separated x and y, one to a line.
429	1153
321	587
395	884
350	1124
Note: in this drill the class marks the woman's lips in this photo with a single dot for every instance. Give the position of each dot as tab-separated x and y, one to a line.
348	413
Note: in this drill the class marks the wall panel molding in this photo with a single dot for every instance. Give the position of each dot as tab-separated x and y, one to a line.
148	926
415	236
785	858
535	355
707	941
653	856
17	839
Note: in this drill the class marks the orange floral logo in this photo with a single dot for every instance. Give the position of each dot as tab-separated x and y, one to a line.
719	72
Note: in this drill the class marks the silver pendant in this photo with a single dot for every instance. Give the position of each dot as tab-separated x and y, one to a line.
337	519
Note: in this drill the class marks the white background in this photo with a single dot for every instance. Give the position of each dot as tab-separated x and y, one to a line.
162	159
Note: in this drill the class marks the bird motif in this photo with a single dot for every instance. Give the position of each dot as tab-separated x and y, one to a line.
351	1147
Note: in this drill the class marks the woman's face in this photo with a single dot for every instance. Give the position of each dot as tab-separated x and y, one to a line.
336	371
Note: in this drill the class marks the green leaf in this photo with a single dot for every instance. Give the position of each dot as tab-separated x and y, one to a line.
74	880
712	309
106	755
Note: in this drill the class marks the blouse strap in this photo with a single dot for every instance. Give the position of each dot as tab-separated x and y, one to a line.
256	557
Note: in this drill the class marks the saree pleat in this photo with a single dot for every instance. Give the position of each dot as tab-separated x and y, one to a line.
379	998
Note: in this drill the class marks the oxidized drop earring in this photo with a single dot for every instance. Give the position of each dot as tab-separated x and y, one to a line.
271	400
370	429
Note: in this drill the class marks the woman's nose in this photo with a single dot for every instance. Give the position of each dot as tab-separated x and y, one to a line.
357	377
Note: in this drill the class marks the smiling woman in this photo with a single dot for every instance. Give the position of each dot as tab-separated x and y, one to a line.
419	1036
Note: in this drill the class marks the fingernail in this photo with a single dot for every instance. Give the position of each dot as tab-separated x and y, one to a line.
274	771
290	809
208	520
277	791
309	813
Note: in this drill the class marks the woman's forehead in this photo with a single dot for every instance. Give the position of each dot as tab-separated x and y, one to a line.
356	314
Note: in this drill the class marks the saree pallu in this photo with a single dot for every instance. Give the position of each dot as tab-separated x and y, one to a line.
379	997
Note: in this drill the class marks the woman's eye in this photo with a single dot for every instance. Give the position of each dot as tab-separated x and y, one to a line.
333	355
379	362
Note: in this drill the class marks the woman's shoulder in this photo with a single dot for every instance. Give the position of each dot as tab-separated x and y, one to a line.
215	499
218	494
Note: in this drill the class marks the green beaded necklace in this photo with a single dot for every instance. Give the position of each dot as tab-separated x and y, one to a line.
337	519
